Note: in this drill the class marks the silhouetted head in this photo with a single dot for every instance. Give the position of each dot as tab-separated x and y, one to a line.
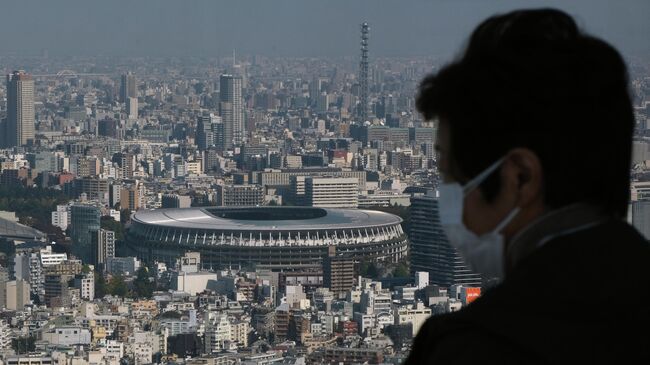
551	100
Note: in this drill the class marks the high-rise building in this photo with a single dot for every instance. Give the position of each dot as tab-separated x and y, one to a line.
85	282
204	136
19	125
209	132
107	127
131	197
85	219
363	74
61	217
217	333
132	107
103	247
176	201
240	195
338	273
331	192
29	266
128	87
430	250
16	294
231	109
94	188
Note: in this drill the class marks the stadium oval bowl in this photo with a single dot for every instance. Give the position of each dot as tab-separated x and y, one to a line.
277	238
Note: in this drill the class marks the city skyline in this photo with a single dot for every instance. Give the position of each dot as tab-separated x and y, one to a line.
285	27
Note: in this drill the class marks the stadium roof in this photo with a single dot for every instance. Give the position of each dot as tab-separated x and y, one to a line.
265	218
16	231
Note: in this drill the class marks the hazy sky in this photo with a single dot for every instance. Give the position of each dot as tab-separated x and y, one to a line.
284	27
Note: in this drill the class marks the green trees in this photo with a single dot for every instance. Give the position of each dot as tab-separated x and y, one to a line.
368	269
33	206
108	223
125	216
117	286
142	284
401	270
101	288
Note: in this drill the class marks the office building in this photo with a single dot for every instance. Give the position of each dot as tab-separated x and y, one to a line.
430	250
16	293
131	197
132	108
84	219
176	201
282	177
107	127
85	282
128	87
19	124
416	315
240	195
122	265
61	217
209	132
338	273
232	109
94	188
331	192
103	247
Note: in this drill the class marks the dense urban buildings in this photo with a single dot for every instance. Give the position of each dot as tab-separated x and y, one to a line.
207	210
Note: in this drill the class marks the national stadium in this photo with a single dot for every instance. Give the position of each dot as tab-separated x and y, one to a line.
276	238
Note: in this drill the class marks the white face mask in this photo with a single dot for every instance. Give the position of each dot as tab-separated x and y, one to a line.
484	253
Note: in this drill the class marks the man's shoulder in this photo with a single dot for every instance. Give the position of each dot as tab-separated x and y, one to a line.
541	308
612	251
462	337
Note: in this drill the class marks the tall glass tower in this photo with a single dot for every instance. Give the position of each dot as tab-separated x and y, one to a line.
430	251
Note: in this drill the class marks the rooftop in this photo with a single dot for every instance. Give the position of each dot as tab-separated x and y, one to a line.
266	218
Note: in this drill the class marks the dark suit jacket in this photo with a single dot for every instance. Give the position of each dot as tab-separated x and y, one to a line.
580	298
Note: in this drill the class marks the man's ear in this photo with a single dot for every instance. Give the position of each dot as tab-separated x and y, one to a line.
525	175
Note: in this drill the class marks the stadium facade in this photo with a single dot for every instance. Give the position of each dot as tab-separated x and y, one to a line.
276	238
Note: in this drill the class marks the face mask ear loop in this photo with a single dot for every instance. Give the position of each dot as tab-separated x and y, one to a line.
475	182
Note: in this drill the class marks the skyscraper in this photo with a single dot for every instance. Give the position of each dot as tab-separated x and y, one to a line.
231	109
204	136
363	74
20	109
128	87
132	107
103	247
430	250
85	219
209	132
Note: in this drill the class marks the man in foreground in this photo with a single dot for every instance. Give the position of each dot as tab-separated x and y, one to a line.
534	141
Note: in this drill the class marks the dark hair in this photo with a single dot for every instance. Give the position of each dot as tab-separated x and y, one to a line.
531	79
